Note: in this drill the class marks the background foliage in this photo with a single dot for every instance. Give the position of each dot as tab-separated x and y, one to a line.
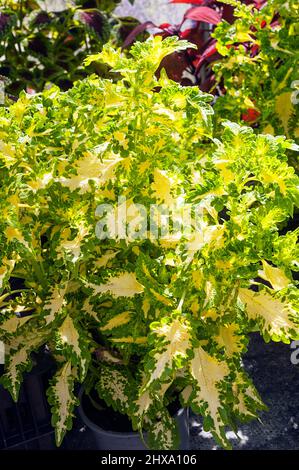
47	41
247	56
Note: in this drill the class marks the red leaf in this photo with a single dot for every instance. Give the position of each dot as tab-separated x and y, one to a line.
209	52
205	14
139	29
186	34
164	25
259	3
228	13
69	38
254	50
175	64
195	35
251	115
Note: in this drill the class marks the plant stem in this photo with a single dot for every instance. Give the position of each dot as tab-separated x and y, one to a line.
181	302
39	271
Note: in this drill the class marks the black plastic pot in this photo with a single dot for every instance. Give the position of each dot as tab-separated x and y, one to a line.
126	439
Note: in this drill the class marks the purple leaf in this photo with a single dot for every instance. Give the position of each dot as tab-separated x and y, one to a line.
205	14
209	52
93	19
139	29
42	18
4	20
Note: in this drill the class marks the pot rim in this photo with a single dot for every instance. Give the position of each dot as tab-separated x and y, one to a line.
96	427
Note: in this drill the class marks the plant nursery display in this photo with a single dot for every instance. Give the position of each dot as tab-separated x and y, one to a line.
47	41
247	56
148	248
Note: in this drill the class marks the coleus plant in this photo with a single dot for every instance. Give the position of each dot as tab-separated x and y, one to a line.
247	56
142	313
47	41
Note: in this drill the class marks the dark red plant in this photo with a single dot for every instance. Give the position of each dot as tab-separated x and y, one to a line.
193	65
93	18
196	26
251	115
205	14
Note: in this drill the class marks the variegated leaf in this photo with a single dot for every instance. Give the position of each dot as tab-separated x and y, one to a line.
62	400
247	400
6	268
12	324
13	233
124	285
277	318
141	406
212	235
90	168
72	247
172	349
229	338
209	375
284	109
115	388
19	360
116	321
73	343
275	276
162	186
88	308
163	432
55	304
104	260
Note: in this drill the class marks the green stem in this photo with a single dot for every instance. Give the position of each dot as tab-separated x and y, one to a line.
40	274
181	302
4	296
